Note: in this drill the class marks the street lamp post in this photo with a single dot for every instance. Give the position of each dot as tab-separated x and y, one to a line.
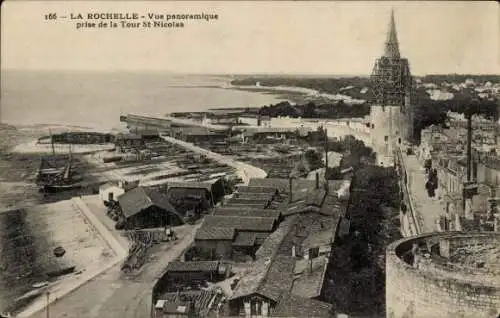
48	312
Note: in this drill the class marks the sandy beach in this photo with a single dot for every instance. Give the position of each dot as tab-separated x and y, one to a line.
87	245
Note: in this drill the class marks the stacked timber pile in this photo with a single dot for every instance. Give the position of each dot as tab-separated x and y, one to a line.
138	252
142	240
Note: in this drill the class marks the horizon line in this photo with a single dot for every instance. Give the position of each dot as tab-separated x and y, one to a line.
274	74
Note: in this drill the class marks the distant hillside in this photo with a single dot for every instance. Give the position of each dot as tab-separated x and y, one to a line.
321	84
427	111
460	78
334	110
7	127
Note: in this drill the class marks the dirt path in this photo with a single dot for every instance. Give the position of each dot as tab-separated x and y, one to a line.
246	171
113	294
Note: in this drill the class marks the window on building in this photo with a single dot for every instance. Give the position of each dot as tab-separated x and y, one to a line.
373	126
386	138
399	140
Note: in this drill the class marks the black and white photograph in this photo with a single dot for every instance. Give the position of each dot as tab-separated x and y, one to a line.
250	159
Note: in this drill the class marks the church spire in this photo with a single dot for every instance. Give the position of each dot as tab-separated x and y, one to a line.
391	44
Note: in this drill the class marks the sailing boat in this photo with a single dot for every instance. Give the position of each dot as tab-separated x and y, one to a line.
54	177
67	181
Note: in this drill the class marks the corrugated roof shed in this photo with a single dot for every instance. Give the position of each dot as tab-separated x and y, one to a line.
251	189
244	239
242	205
207	232
253	196
240	223
233	211
191	185
128	136
283	184
237	201
199	266
149	132
139	199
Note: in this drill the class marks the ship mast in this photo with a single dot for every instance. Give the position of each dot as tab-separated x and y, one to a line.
52	143
68	166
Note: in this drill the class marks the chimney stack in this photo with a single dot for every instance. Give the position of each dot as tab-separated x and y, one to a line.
326	148
469	215
469	147
317	180
192	306
290	184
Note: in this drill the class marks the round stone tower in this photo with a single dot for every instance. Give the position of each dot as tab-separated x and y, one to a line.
448	275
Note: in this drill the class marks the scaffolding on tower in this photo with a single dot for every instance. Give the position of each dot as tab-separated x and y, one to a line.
392	83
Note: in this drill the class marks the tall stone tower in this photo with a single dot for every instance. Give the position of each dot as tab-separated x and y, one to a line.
391	113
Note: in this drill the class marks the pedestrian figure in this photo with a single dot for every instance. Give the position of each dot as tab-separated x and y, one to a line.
427	165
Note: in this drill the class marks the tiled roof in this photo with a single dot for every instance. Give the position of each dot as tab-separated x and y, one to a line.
233	211
202	300
279	278
207	232
333	206
240	223
108	185
315	197
319	202
251	282
309	284
244	239
296	306
300	207
321	237
200	266
272	274
260	237
300	194
138	199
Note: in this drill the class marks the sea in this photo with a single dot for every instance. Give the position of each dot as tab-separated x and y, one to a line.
95	100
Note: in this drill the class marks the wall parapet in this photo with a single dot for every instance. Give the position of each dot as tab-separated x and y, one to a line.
415	225
430	288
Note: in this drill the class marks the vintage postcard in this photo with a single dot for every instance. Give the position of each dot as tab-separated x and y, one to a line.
250	158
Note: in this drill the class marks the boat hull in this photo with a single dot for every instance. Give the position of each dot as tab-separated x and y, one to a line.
61	188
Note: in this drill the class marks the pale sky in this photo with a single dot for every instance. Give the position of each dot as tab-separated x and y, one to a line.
256	37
